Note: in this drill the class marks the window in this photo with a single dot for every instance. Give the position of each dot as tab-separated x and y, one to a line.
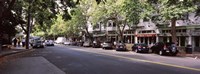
143	31
163	31
109	24
129	32
114	24
182	41
196	41
184	30
149	31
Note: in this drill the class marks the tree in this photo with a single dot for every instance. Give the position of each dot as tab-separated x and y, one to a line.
168	10
8	20
40	12
111	10
132	10
81	15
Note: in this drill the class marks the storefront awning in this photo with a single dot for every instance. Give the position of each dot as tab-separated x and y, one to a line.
145	35
98	35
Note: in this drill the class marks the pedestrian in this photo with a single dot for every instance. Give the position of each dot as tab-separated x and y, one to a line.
23	42
18	42
15	42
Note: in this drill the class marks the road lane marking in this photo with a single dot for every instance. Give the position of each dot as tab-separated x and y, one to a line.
147	61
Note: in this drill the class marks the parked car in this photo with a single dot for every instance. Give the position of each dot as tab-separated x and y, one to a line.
96	44
107	45
140	47
73	43
49	43
120	46
60	40
80	43
87	44
38	44
165	48
66	43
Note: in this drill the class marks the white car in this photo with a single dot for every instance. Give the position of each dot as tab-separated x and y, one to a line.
60	40
49	43
67	43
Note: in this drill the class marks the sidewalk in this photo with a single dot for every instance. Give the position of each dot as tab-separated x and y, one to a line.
195	55
30	65
13	50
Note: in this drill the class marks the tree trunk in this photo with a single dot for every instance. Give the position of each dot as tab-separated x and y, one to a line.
121	31
28	28
173	30
87	33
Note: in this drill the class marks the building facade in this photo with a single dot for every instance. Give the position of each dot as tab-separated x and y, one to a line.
187	32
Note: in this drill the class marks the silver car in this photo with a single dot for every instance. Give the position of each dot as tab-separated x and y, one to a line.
107	45
38	44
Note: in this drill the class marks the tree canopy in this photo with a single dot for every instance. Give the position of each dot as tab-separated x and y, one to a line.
70	17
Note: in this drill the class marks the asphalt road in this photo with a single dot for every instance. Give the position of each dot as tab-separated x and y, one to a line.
81	60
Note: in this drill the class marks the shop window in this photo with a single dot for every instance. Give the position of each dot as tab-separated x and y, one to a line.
164	39
141	39
182	41
196	41
133	39
146	40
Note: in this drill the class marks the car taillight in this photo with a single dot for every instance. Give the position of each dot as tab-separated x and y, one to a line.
144	47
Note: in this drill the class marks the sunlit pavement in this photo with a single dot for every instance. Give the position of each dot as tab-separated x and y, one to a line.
81	60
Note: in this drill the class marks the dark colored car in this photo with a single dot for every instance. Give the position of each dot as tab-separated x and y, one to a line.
96	44
80	43
73	43
165	48
140	47
107	45
121	46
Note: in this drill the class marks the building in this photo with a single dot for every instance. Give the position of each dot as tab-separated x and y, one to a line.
146	32
187	32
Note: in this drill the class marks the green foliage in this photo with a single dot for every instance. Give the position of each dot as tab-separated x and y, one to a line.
132	10
168	9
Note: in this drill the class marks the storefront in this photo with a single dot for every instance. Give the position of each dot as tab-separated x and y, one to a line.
146	38
129	36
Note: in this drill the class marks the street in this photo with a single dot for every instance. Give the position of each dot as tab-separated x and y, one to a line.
88	60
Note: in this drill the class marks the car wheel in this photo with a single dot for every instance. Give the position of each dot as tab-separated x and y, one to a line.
160	52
